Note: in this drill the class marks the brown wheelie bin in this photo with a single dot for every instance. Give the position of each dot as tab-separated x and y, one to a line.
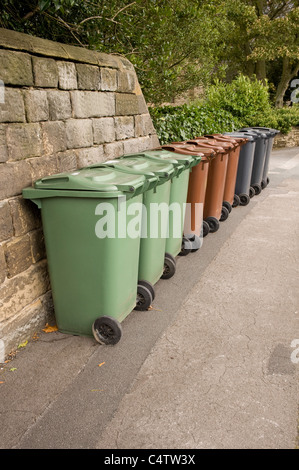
214	210
230	199
194	223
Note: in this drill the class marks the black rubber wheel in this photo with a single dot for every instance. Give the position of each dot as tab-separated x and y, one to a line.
107	330
186	247
224	214
205	228
195	242
169	266
268	181
144	298
244	199
237	201
227	205
257	189
263	184
213	224
251	192
149	286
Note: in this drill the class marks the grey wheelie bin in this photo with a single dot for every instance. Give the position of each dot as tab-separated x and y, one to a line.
259	158
246	158
272	133
153	230
92	260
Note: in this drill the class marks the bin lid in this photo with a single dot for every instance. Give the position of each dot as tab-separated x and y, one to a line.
260	133
178	160
224	147
236	141
108	182
140	165
244	134
190	149
273	132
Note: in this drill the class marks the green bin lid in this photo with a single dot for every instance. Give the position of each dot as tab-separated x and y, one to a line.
140	165
87	182
188	160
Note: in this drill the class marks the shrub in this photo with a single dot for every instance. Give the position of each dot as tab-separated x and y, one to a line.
188	121
227	107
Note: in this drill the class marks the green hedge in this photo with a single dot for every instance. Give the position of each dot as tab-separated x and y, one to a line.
228	106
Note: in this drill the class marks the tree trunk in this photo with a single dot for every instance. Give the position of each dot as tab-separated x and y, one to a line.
260	70
288	72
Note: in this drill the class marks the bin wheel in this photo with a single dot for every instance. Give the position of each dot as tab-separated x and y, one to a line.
107	330
227	205
268	180
257	189
144	298
186	247
264	184
236	200
224	214
213	224
169	266
149	286
205	228
196	243
251	192
244	199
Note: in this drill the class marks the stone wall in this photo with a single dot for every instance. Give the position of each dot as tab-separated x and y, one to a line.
291	139
61	108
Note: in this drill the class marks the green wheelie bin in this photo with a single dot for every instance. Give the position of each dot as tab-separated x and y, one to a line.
92	260
154	225
178	243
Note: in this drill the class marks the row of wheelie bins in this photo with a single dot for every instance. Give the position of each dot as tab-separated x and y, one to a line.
112	230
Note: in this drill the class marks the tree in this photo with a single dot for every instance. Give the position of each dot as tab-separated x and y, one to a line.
262	35
174	45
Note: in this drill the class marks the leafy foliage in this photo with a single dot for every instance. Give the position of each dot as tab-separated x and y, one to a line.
227	107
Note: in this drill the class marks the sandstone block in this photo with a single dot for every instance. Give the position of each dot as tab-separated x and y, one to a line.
6	223
13	178
79	133
88	77
54	138
24	141
59	105
124	127
108	79
126	104
18	255
36	104
103	130
89	156
13	109
45	72
25	215
15	68
67	75
92	104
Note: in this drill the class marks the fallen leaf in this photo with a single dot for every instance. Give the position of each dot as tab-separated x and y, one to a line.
50	329
13	369
101	364
2	382
22	345
96	390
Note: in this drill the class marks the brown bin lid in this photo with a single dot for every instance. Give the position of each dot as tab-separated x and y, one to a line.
226	146
190	149
238	141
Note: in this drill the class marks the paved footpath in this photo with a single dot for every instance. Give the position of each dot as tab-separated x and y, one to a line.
225	373
214	365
